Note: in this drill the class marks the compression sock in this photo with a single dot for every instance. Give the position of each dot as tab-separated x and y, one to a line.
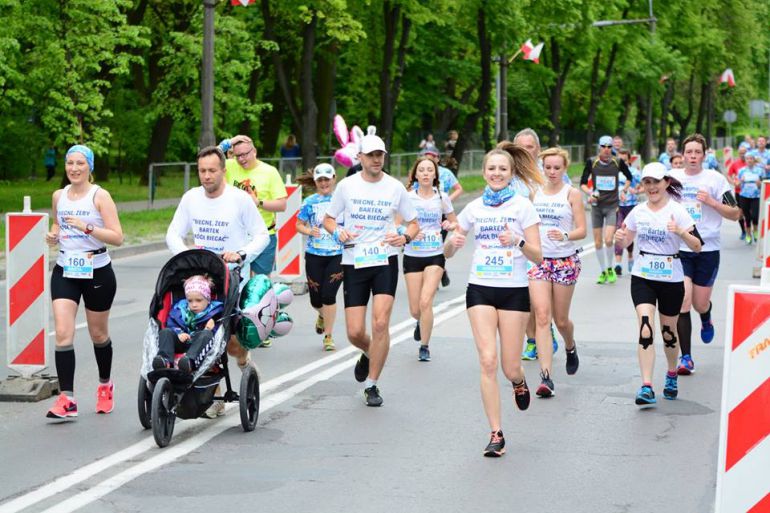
103	353
684	328
65	368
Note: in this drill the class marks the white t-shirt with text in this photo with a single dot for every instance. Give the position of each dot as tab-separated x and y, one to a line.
707	220
429	212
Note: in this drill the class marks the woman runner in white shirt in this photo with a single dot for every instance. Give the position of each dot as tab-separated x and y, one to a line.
506	235
552	283
424	257
659	226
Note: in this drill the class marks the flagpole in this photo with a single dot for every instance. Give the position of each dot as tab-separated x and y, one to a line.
514	56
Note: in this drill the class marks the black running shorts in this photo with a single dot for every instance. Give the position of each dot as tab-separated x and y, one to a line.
359	284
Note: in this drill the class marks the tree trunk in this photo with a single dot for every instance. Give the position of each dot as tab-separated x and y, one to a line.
271	121
309	108
325	79
598	90
624	111
161	133
710	112
485	91
702	107
649	128
665	104
684	120
554	93
390	89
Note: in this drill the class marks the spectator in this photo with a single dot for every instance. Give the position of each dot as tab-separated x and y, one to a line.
428	143
291	155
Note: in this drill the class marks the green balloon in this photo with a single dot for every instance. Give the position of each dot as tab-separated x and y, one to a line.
247	334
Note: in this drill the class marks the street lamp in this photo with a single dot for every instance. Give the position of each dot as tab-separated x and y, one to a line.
207	76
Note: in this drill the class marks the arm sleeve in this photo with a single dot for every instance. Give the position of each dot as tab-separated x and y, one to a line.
586	173
277	188
624	169
178	228
255	226
723	187
465	219
337	205
405	206
305	212
630	220
446	205
529	215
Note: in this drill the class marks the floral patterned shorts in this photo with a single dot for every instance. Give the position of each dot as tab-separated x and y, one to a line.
562	271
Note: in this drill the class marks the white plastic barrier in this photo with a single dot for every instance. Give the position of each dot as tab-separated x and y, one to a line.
289	256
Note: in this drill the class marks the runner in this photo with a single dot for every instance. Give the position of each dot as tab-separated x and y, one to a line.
733	171
603	171
628	200
505	226
708	198
750	178
369	200
224	220
660	226
449	185
323	254
424	258
552	282
85	221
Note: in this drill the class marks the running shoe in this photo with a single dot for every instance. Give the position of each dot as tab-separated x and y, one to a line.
707	332
619	270
602	278
329	343
611	276
546	388
553	338
185	364
319	324
445	279
670	390
645	396
686	365
417	334
747	239
530	351
104	397
424	354
521	394
361	370
159	362
372	396
496	446
217	409
64	408
268	342
572	361
742	236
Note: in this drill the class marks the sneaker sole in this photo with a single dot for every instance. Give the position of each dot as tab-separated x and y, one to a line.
423	359
544	392
670	397
52	415
645	402
684	372
494	454
528	358
329	348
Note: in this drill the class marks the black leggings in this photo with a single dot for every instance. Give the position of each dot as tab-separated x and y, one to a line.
750	208
324	277
196	348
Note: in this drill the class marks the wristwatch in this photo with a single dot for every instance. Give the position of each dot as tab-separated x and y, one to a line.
260	203
566	236
521	243
407	238
89	229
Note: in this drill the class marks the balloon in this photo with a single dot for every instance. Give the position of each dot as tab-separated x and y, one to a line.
247	334
347	155
259	304
283	325
283	294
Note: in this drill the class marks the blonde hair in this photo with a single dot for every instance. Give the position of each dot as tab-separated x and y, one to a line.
523	165
556	152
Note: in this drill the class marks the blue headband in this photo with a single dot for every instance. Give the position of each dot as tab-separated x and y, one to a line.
87	153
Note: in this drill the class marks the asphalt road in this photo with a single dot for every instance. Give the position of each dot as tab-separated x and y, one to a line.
318	448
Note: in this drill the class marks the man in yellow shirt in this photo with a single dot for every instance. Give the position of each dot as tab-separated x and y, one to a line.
264	184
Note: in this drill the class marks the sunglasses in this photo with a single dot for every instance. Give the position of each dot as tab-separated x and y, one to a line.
606	145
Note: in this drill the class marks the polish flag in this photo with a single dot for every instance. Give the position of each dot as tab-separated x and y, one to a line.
242	2
727	77
531	52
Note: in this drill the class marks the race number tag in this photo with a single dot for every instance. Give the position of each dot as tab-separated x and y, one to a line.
370	254
79	265
431	241
325	242
493	263
605	183
657	267
694	209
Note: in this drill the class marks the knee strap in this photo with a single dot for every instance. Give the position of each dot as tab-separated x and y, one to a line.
669	338
645	342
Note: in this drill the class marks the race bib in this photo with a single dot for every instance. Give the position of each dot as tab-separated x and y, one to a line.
694	209
325	242
370	254
78	265
493	263
605	183
431	241
657	267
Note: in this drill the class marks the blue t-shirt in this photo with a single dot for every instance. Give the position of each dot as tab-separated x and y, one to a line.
748	177
665	159
710	162
632	199
446	179
312	212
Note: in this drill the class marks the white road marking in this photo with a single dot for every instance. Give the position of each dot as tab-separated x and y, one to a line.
269	400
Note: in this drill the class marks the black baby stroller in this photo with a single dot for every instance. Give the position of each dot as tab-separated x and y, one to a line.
166	394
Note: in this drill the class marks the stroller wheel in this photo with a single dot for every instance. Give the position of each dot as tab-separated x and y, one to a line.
144	403
249	398
163	416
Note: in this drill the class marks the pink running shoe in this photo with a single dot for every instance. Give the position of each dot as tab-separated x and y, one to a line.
104	402
64	408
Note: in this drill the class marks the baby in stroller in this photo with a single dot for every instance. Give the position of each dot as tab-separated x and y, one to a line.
189	328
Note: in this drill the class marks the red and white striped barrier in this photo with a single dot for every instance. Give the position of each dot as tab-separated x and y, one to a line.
743	484
290	257
764	227
26	296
